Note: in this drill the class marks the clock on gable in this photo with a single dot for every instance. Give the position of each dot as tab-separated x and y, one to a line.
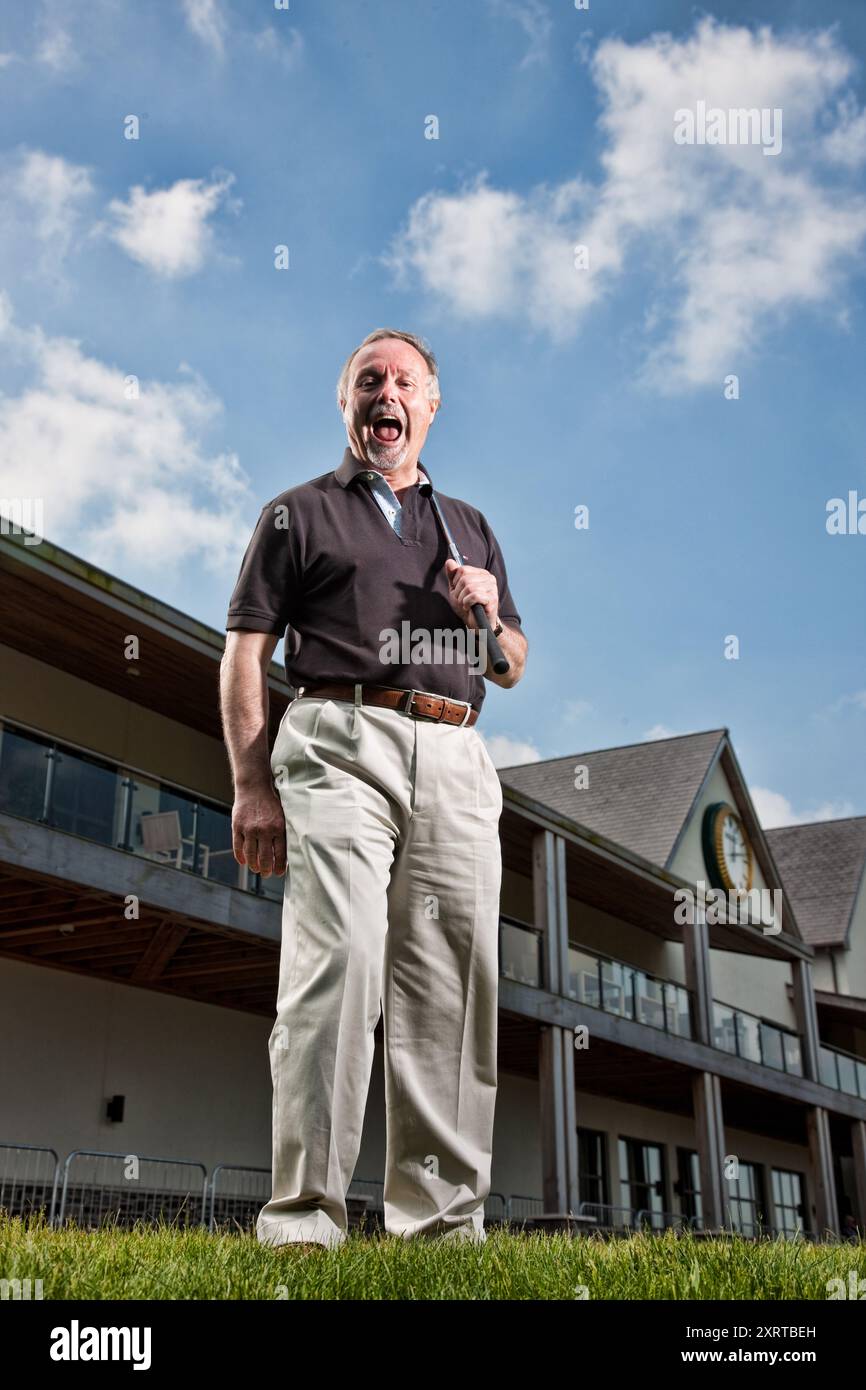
727	852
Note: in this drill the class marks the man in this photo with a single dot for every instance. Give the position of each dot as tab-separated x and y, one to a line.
386	822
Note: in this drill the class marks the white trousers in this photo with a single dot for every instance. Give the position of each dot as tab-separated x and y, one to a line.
391	905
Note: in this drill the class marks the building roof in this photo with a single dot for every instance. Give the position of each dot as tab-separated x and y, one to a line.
79	618
639	795
822	865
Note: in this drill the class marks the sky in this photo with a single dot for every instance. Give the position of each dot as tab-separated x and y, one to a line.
667	333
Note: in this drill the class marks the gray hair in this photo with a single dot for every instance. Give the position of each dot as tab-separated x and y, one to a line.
419	344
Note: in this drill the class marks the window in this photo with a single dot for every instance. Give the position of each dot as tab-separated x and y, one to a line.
592	1166
788	1201
642	1180
745	1200
688	1186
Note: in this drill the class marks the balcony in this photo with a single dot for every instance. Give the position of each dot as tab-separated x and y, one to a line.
71	789
603	982
609	984
754	1039
842	1071
599	981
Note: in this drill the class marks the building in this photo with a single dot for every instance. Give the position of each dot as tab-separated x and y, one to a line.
711	1072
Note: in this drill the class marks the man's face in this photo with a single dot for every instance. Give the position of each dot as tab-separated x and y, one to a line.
388	410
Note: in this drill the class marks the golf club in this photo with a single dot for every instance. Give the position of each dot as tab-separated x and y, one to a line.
498	660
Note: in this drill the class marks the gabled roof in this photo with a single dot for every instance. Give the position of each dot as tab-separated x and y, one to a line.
822	865
639	795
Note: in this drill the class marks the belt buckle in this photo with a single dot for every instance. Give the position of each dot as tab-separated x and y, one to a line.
409	710
446	700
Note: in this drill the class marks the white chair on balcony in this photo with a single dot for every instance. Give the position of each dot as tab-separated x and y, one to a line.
162	838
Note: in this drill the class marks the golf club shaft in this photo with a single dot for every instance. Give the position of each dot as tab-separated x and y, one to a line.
497	658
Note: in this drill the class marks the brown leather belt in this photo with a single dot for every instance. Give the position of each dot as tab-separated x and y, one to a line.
415	702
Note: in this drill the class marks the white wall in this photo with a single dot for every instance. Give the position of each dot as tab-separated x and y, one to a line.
196	1077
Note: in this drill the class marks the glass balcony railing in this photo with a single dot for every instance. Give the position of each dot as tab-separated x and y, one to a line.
617	988
70	789
756	1040
519	952
842	1070
600	981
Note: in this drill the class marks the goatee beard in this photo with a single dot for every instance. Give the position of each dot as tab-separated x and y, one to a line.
386	459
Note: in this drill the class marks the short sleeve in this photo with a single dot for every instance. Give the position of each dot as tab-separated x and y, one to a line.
266	589
496	565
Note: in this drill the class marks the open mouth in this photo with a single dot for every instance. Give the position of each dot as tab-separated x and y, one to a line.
387	429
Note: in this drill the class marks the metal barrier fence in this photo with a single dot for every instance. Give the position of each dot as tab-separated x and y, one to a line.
28	1179
523	1208
611	1218
496	1207
126	1188
237	1195
371	1189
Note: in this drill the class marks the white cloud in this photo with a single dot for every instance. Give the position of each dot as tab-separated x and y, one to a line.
44	197
846	143
168	230
733	239
489	253
52	189
56	50
535	20
857	699
508	752
660	731
211	24
126	482
774	809
287	51
208	22
576	709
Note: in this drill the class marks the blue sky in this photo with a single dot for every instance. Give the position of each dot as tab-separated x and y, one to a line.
154	258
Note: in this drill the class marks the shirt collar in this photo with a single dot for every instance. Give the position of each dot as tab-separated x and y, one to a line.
352	468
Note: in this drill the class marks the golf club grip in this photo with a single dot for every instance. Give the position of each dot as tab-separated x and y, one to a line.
495	655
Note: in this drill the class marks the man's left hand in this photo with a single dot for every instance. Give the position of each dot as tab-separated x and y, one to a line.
467	586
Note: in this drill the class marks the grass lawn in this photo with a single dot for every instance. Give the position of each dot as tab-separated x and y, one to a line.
170	1263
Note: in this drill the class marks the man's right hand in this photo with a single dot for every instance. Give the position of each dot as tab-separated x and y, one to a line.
258	825
259	831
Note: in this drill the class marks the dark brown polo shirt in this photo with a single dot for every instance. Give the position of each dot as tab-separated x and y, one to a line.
355	600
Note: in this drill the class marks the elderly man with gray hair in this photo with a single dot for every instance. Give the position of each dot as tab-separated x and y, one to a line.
381	805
